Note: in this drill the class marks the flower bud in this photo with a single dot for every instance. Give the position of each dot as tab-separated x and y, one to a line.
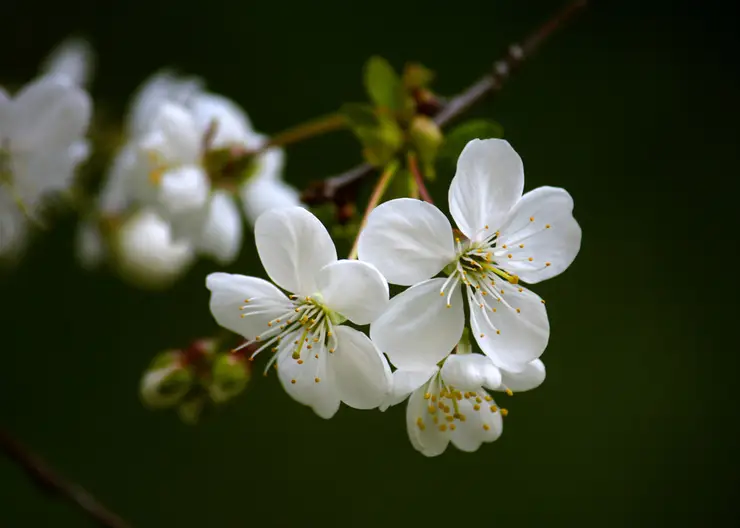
426	137
166	381
231	373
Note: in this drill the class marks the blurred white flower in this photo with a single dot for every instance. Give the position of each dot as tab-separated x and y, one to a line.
72	61
146	254
41	145
504	237
320	361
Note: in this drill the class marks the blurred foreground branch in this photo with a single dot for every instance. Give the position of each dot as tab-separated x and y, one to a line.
54	484
490	83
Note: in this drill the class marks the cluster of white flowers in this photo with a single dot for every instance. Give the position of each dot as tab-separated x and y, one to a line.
166	198
42	142
504	236
160	192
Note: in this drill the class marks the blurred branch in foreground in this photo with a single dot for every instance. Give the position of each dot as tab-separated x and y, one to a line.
493	81
54	484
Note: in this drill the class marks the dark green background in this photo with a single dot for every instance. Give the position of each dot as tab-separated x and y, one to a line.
633	109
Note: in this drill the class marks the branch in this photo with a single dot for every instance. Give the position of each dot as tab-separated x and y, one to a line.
490	83
52	483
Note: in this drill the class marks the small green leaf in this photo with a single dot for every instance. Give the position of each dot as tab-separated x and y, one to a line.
383	84
456	139
359	115
380	135
230	377
416	75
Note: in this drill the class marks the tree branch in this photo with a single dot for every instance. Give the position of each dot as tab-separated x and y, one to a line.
52	483
490	83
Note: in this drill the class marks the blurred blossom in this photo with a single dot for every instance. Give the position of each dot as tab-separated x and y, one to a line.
42	143
72	61
145	252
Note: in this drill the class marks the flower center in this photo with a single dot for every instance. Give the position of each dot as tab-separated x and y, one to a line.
474	266
443	405
306	321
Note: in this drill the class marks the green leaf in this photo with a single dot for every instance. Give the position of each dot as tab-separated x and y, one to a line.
416	75
380	135
456	139
383	84
359	115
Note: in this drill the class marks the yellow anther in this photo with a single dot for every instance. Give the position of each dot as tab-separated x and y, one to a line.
443	427
530	259
502	292
498	233
329	334
441	405
494	408
477	399
447	410
309	347
316	356
521	246
476	407
427	395
509	392
448	305
488	398
458	395
460	416
432	409
269	323
300	362
548	263
257	338
518	310
505	246
521	290
467	395
155	176
531	218
457	239
449	418
297	310
514	279
292	381
486	226
420	423
483	335
441	294
542	301
484	293
493	310
317	380
547	226
509	255
275	349
331	351
452	427
498	332
504	412
486	427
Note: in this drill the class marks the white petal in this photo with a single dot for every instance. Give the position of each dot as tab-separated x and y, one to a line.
183	190
173	137
229	296
355	289
127	179
488	182
72	61
509	337
541	227
310	382
5	113
146	253
49	113
293	245
361	373
162	87
405	382
407	240
479	426
468	372
230	121
424	434
262	195
222	232
530	378
417	330
269	164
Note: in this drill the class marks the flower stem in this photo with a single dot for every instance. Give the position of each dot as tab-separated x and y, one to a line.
418	178
378	192
315	127
52	483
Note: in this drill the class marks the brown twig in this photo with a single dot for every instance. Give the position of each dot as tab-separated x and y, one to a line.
51	482
490	83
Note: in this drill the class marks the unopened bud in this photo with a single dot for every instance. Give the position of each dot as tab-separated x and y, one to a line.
231	374
166	381
426	137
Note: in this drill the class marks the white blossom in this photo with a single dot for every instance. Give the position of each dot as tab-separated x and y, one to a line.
320	362
451	403
146	254
504	237
41	144
72	61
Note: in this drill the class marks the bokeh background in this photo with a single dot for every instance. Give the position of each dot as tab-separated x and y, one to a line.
633	109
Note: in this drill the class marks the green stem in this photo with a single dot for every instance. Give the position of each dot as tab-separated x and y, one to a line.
380	187
315	127
418	178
